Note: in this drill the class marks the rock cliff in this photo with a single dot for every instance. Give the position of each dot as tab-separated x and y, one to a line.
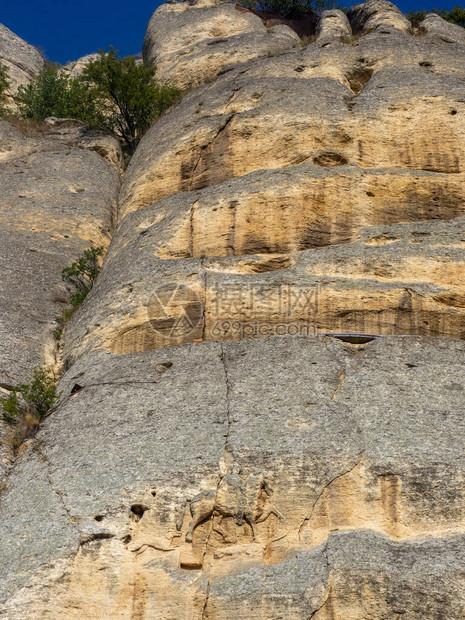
262	407
22	61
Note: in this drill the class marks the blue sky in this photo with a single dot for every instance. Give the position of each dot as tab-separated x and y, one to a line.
68	29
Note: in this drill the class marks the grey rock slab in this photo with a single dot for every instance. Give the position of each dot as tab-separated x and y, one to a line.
35	527
439	29
56	201
170	420
23	61
378	15
357	575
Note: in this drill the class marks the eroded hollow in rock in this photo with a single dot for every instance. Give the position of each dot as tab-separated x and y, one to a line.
358	78
304	25
138	510
330	159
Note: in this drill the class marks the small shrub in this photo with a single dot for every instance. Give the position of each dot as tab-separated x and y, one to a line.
11	406
54	94
4	83
127	97
82	274
34	398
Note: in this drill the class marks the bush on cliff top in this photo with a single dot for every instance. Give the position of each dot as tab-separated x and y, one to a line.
53	93
114	93
290	8
127	98
455	16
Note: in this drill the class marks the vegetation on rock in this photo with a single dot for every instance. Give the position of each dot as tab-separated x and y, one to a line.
117	94
53	93
4	83
34	398
290	8
127	98
455	16
81	275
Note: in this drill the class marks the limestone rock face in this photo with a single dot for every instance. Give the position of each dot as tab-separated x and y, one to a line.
378	16
189	43
76	67
261	414
55	202
436	27
75	133
22	61
333	25
270	477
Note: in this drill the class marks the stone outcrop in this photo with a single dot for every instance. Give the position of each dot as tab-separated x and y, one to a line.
56	201
314	483
377	16
189	43
75	68
75	133
262	409
22	61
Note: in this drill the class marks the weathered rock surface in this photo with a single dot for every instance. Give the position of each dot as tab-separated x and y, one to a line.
75	133
189	43
378	16
437	28
333	25
75	68
212	456
338	104
55	202
22	61
325	484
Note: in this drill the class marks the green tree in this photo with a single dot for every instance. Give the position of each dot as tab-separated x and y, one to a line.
53	93
290	8
4	83
127	97
454	16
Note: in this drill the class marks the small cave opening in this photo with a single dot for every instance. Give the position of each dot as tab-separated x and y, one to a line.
353	338
76	388
138	510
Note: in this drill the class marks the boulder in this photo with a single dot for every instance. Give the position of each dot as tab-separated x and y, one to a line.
379	16
75	68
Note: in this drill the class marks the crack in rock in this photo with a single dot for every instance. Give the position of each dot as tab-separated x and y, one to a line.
307	519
